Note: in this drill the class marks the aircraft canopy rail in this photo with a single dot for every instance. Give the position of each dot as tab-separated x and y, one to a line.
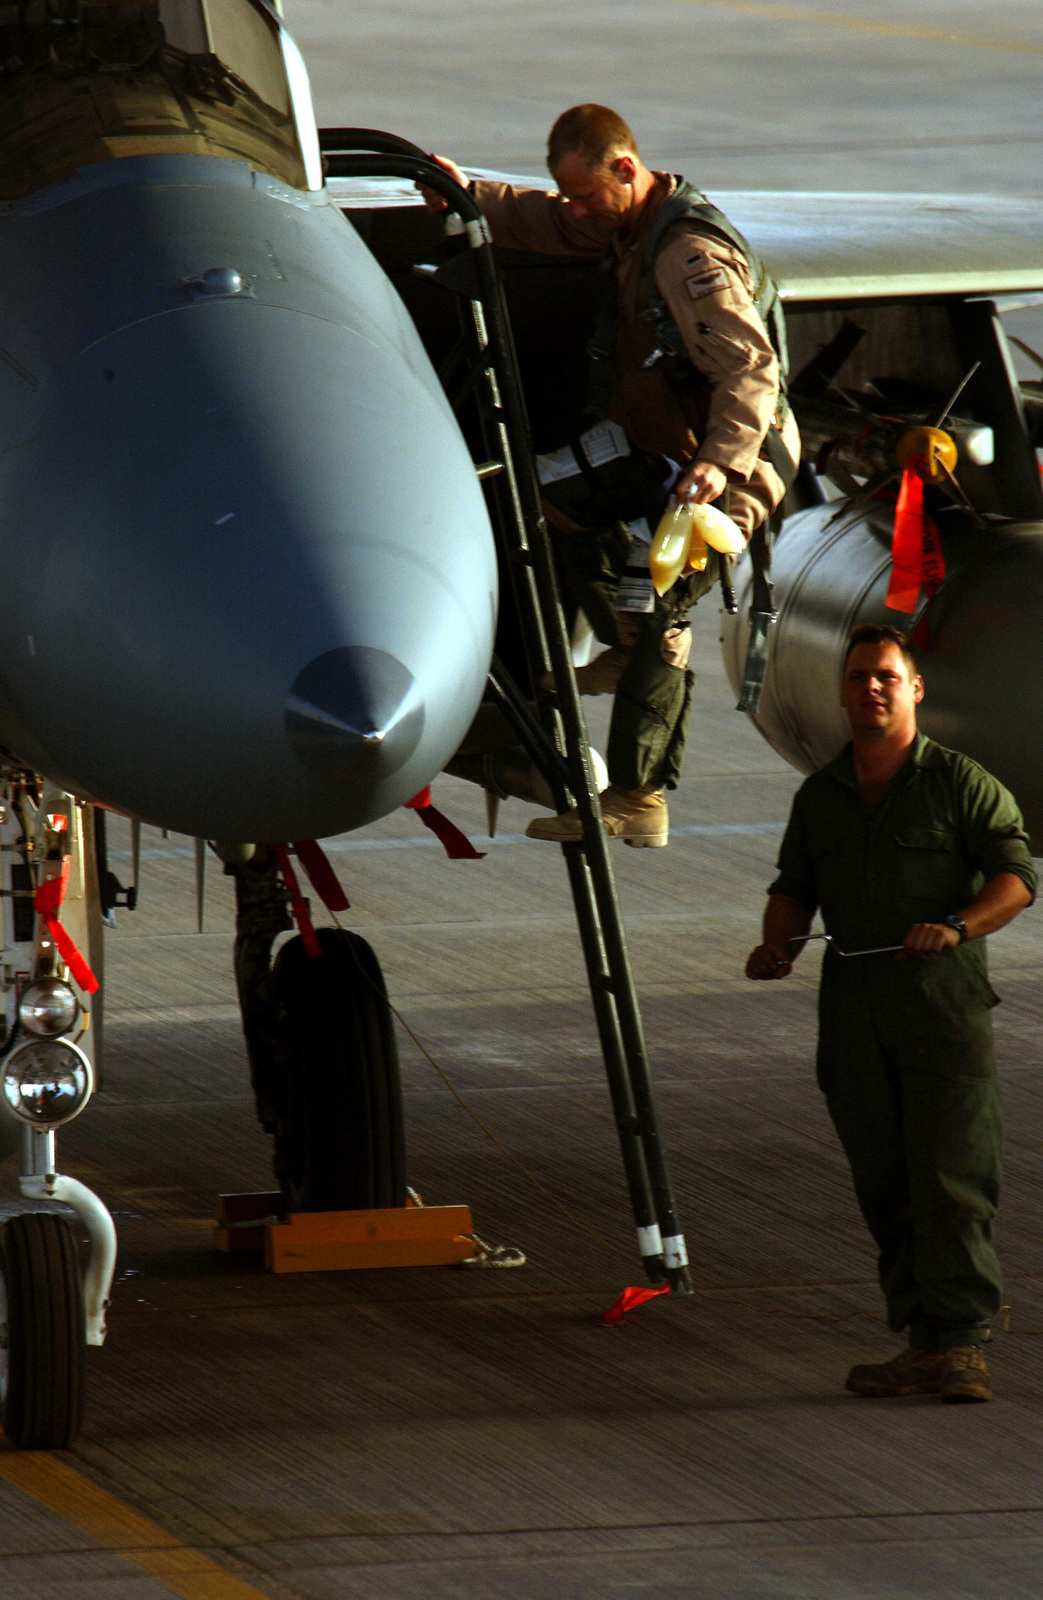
145	77
554	736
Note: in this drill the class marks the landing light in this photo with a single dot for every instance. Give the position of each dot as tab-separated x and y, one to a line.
48	1008
47	1082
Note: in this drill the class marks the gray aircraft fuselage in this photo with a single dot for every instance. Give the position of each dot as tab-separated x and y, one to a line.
248	579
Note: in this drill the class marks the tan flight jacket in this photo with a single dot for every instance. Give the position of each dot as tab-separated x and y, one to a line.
720	412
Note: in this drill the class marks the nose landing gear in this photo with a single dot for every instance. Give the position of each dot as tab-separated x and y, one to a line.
323	1059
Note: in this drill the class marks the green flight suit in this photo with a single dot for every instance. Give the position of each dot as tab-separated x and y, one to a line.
653	703
905	1055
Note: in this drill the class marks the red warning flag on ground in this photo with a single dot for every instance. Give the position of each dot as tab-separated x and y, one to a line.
629	1300
457	845
47	902
301	917
917	560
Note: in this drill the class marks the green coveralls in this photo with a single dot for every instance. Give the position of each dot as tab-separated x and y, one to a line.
905	1055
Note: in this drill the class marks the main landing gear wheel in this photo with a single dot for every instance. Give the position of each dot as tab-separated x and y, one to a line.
339	1143
42	1344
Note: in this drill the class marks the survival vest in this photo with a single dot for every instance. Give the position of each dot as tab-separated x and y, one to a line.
687	204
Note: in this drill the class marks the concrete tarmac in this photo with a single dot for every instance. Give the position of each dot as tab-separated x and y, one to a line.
474	1435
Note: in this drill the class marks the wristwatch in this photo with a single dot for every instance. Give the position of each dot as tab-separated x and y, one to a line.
957	922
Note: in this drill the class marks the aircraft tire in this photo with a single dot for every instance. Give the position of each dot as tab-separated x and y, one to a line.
43	1367
339	1140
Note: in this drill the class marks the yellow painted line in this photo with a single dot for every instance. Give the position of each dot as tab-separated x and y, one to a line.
116	1527
891	30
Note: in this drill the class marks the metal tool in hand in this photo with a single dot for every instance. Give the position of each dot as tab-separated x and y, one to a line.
827	938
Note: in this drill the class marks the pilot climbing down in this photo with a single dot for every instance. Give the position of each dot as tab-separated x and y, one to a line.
684	363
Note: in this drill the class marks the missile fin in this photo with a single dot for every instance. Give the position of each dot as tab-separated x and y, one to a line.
135	856
200	883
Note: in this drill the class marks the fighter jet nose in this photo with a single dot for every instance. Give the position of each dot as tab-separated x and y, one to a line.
354	715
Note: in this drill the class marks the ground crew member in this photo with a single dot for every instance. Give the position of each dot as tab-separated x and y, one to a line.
901	842
685	364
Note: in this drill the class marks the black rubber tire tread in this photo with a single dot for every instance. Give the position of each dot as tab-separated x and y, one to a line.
341	1145
46	1354
384	1087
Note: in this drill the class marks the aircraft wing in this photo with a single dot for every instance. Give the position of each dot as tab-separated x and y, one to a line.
833	246
822	247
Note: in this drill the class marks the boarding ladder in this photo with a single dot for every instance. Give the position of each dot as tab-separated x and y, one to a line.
483	368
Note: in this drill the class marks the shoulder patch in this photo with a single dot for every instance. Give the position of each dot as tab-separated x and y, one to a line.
712	280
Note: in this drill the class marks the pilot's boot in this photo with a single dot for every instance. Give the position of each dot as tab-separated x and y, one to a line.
637	816
600	676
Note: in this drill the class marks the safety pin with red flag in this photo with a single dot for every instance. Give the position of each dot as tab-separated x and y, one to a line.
47	902
298	906
457	845
324	880
917	558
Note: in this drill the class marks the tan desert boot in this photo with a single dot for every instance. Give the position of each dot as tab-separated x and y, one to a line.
639	819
